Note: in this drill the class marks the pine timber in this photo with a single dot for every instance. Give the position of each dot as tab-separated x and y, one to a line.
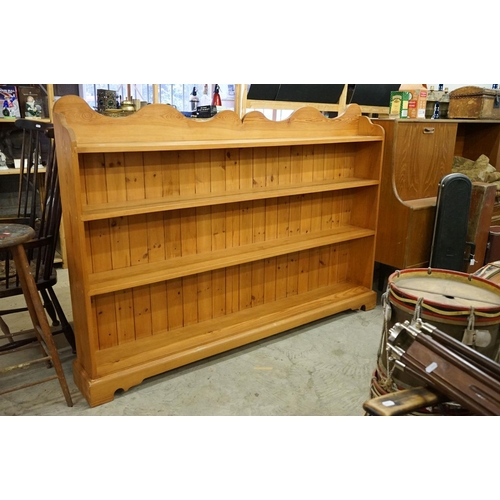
189	238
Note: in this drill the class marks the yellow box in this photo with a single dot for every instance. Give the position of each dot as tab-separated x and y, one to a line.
399	104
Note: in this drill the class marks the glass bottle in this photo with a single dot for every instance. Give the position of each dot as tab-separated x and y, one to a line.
216	101
435	115
193	99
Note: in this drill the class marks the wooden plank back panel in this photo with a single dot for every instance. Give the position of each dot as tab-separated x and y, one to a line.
159	237
187	173
204	245
106	321
93	175
170	170
153	173
115	177
203	295
135	181
125	314
218	242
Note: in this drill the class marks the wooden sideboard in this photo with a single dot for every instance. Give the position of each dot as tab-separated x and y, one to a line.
186	239
418	154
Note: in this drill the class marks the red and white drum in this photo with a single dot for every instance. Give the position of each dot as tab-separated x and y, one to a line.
466	307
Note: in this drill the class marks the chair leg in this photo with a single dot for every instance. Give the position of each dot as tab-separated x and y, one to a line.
69	334
49	307
6	330
384	272
38	316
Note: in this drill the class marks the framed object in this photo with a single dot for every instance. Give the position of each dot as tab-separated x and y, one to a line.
10	101
33	102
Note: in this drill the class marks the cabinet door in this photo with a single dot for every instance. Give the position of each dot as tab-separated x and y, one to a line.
423	156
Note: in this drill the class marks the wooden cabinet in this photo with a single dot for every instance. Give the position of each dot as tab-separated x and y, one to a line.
418	154
186	238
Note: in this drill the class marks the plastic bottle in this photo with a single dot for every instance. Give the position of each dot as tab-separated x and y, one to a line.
205	98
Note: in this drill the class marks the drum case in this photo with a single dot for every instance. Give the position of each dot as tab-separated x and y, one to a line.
451	223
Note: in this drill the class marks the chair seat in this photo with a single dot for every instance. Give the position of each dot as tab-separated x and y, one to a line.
15	234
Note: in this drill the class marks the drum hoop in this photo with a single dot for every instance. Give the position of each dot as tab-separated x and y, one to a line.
454	312
445	273
442	274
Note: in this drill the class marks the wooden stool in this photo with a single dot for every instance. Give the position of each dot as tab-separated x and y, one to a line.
12	238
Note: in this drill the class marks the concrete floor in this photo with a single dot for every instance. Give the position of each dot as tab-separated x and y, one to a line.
323	368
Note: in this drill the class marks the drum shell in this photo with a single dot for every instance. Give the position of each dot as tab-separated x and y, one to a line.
454	328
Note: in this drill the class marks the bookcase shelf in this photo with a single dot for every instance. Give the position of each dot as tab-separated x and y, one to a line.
122	209
186	239
131	277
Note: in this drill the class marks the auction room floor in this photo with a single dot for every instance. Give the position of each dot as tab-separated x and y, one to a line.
323	368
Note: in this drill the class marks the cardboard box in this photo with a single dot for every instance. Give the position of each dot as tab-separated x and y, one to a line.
418	99
398	107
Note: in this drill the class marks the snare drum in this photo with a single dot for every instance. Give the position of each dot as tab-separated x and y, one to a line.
466	307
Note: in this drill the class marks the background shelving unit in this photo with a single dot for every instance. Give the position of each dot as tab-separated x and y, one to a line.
245	103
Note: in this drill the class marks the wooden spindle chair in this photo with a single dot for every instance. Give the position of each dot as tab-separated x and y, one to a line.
39	206
13	238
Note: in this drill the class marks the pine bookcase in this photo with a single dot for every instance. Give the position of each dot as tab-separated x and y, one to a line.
187	238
